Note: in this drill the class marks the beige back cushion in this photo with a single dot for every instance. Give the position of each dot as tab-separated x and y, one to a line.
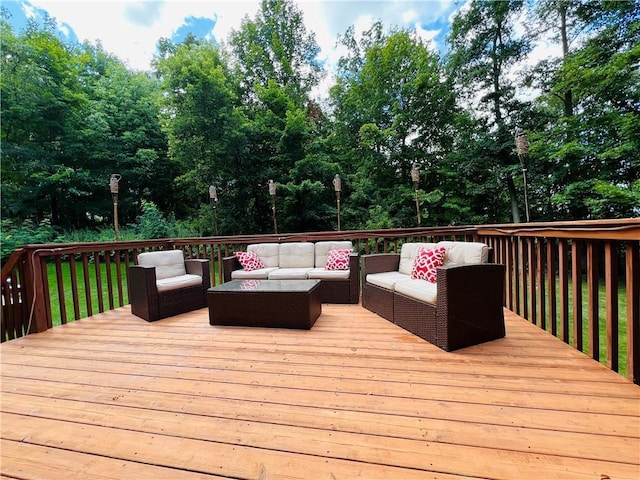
168	263
296	255
460	253
269	253
322	250
408	254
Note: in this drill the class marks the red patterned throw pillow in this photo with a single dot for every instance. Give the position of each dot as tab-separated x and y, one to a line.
338	260
426	263
249	260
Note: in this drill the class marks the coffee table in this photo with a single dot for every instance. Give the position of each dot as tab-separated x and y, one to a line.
265	303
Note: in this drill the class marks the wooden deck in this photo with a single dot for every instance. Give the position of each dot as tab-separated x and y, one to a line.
114	397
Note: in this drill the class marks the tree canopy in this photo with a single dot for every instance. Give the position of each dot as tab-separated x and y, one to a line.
238	114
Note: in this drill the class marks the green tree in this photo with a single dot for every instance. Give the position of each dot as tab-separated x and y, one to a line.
392	109
71	116
276	46
42	104
483	49
590	145
202	122
275	60
122	134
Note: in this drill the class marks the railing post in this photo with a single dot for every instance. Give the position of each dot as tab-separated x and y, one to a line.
37	293
633	311
563	280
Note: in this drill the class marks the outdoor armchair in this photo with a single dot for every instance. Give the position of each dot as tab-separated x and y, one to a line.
164	284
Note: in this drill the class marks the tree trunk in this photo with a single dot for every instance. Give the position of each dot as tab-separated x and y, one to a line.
568	95
513	196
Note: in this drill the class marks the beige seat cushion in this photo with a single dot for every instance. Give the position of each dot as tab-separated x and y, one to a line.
419	289
385	279
259	274
171	283
289	273
323	273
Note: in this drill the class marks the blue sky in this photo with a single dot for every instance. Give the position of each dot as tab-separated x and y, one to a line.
130	29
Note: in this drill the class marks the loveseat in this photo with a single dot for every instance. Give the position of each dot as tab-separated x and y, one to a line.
163	284
461	306
332	262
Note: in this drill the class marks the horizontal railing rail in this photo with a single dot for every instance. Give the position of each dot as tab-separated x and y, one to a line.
565	277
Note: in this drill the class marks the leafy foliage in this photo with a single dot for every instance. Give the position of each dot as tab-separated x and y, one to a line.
238	115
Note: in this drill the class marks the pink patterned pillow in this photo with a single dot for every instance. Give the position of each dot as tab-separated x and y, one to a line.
426	263
338	260
249	260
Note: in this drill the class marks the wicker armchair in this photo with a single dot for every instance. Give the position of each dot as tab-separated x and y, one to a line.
468	309
163	284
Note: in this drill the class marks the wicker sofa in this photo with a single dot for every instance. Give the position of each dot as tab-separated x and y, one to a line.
164	284
302	260
463	307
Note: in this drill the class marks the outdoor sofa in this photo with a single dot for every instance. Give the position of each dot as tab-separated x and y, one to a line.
334	263
460	307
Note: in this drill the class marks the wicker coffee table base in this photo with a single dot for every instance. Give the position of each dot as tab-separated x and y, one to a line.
272	303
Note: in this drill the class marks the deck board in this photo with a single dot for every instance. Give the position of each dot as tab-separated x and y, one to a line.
113	396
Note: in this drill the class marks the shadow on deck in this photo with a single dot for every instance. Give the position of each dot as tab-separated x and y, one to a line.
112	396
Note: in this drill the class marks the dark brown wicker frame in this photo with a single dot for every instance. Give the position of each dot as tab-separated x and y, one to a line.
151	305
331	291
376	299
468	311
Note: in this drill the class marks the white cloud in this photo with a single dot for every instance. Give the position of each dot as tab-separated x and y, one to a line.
130	29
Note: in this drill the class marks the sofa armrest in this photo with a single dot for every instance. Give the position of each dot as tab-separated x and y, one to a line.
354	277
354	262
472	282
380	262
200	267
143	292
229	264
470	304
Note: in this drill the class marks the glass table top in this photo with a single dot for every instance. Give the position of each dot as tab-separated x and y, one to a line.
291	286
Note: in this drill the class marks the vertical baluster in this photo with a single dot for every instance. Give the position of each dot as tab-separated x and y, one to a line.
576	283
62	304
540	245
563	280
611	316
592	299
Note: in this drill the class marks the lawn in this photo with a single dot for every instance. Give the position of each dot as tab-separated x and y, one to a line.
602	326
82	303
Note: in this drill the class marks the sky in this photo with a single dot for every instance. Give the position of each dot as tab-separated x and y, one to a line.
130	29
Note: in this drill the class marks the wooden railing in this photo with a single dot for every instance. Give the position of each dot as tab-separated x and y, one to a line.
568	278
549	266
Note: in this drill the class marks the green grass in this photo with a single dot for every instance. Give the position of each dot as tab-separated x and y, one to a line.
82	303
602	327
